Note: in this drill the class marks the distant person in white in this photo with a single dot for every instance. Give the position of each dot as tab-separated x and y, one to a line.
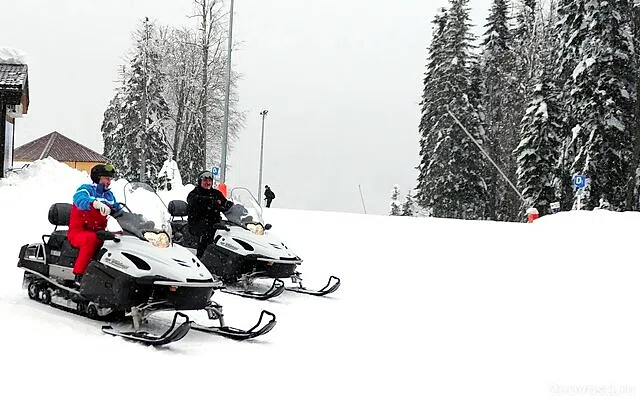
170	173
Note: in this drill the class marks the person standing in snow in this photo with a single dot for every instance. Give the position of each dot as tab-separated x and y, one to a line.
268	195
204	205
91	205
170	173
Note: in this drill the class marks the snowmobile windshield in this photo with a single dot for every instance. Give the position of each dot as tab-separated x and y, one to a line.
145	214
246	211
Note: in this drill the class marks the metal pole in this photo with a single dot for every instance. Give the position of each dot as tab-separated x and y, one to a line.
225	125
362	198
145	98
259	195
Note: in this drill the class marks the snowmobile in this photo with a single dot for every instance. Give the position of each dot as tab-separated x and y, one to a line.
136	272
243	250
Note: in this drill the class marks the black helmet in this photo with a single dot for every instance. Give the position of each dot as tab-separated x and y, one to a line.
102	170
204	174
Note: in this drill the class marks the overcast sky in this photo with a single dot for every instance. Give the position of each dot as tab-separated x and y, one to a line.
341	79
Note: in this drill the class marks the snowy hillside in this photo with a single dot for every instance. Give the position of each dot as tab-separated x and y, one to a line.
428	309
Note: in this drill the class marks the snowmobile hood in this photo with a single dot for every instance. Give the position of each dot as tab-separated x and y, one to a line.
140	258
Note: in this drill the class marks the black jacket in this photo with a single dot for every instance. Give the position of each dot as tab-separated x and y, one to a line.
268	194
204	208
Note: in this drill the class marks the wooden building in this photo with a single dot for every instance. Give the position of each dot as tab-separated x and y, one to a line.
60	148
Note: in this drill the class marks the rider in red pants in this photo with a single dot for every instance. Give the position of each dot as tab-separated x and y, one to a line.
91	205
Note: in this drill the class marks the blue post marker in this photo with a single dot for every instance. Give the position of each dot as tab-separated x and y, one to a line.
215	171
579	182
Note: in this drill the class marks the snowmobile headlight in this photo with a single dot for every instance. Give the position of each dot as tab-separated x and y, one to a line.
256	228
157	239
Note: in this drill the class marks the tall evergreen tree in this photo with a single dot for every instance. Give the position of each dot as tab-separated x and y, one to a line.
569	32
452	183
538	152
112	125
633	202
433	102
503	110
605	82
144	114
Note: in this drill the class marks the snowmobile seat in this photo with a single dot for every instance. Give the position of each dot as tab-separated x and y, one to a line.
178	208
60	250
59	214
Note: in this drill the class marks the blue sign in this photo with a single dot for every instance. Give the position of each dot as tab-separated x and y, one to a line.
579	181
215	171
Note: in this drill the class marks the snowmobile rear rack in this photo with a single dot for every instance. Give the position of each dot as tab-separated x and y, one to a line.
173	334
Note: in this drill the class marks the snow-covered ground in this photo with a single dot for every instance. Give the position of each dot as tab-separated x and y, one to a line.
428	309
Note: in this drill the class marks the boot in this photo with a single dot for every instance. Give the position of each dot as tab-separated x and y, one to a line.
77	280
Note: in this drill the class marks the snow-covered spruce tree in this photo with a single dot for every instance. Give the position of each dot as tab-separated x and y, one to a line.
407	206
569	33
395	204
604	105
144	113
538	153
452	183
633	201
113	123
528	39
432	103
503	110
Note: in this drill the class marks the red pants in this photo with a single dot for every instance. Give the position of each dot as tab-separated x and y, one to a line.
88	243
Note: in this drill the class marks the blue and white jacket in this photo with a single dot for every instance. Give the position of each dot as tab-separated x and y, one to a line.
88	193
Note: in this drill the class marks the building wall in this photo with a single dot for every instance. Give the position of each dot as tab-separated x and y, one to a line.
82	165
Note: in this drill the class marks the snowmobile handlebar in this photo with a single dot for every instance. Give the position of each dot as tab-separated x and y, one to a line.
220	225
106	235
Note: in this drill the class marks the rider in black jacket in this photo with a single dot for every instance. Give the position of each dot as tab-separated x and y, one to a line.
204	207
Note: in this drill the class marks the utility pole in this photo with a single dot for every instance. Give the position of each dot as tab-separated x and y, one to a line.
145	100
258	193
225	125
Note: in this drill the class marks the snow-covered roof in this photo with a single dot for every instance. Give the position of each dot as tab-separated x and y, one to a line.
58	147
12	56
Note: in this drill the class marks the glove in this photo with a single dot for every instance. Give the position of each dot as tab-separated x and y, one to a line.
103	208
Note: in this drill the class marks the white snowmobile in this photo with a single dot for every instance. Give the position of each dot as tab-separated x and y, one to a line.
136	272
243	250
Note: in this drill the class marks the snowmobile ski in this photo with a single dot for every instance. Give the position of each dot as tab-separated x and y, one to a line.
173	334
328	288
215	313
276	289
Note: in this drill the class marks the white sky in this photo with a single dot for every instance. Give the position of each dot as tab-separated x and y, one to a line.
442	309
341	80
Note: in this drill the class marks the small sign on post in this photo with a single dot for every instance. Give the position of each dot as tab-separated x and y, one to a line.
215	171
555	207
579	182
